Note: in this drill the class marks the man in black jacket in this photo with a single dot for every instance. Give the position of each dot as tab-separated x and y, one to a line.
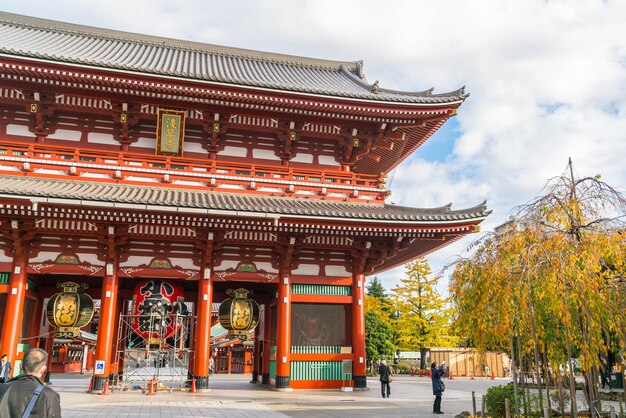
17	392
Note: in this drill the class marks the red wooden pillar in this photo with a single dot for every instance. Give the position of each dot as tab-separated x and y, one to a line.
229	353
267	337
35	323
283	334
256	356
49	347
14	309
358	331
106	326
202	349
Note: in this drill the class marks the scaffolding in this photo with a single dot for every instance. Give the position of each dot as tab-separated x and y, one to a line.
139	360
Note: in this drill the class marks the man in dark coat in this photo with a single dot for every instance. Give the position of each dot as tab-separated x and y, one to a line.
438	386
385	377
16	393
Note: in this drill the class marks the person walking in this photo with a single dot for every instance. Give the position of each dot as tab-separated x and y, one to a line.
5	368
385	377
438	385
26	394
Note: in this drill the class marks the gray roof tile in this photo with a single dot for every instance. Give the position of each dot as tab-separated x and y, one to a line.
65	42
33	187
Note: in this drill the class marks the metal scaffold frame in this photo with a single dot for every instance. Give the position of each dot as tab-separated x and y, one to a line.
165	360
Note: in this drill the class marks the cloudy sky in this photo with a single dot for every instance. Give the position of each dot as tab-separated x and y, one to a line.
547	79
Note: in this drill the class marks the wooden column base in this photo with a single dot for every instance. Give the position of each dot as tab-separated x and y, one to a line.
98	382
265	379
283	382
202	382
360	382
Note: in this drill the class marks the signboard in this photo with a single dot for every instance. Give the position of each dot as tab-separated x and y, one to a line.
170	133
99	369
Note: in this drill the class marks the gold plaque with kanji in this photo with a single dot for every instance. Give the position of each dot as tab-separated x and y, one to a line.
170	134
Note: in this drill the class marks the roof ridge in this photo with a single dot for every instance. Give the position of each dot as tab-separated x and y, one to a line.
37	23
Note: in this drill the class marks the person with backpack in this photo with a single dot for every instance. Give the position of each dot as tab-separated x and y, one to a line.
26	394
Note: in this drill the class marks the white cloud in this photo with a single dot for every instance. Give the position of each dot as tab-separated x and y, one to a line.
547	79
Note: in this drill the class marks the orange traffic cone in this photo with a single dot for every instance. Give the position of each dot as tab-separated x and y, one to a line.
493	376
90	384
151	387
105	389
451	377
193	385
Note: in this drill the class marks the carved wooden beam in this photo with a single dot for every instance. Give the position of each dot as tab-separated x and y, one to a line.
215	125
126	119
287	134
41	107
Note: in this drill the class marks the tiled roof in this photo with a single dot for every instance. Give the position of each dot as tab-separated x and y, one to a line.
90	192
70	43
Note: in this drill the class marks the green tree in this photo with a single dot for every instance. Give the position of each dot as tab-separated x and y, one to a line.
377	300
375	288
422	315
378	338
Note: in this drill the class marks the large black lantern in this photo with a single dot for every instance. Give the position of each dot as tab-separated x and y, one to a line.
239	315
70	310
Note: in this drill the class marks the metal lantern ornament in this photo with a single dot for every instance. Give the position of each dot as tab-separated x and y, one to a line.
239	315
70	310
156	303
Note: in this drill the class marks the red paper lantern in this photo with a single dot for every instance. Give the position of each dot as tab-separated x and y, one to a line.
156	304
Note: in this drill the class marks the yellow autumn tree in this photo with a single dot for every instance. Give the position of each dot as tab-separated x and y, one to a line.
422	315
550	285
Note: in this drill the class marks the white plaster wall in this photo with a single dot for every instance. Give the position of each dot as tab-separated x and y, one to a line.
44	256
19	130
100	138
232	186
265	154
308	270
193	147
143	142
270	189
226	264
336	271
90	258
48	171
328	160
189	183
66	135
134	261
266	267
4	258
96	175
234	151
144	179
9	168
303	158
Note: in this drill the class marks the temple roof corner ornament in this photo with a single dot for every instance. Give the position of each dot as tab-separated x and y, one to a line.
375	87
359	69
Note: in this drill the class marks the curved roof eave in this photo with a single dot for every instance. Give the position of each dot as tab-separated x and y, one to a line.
61	42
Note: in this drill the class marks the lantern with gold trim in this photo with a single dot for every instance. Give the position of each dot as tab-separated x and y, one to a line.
70	310
239	314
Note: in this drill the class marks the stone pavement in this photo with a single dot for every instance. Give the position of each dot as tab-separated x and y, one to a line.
234	396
